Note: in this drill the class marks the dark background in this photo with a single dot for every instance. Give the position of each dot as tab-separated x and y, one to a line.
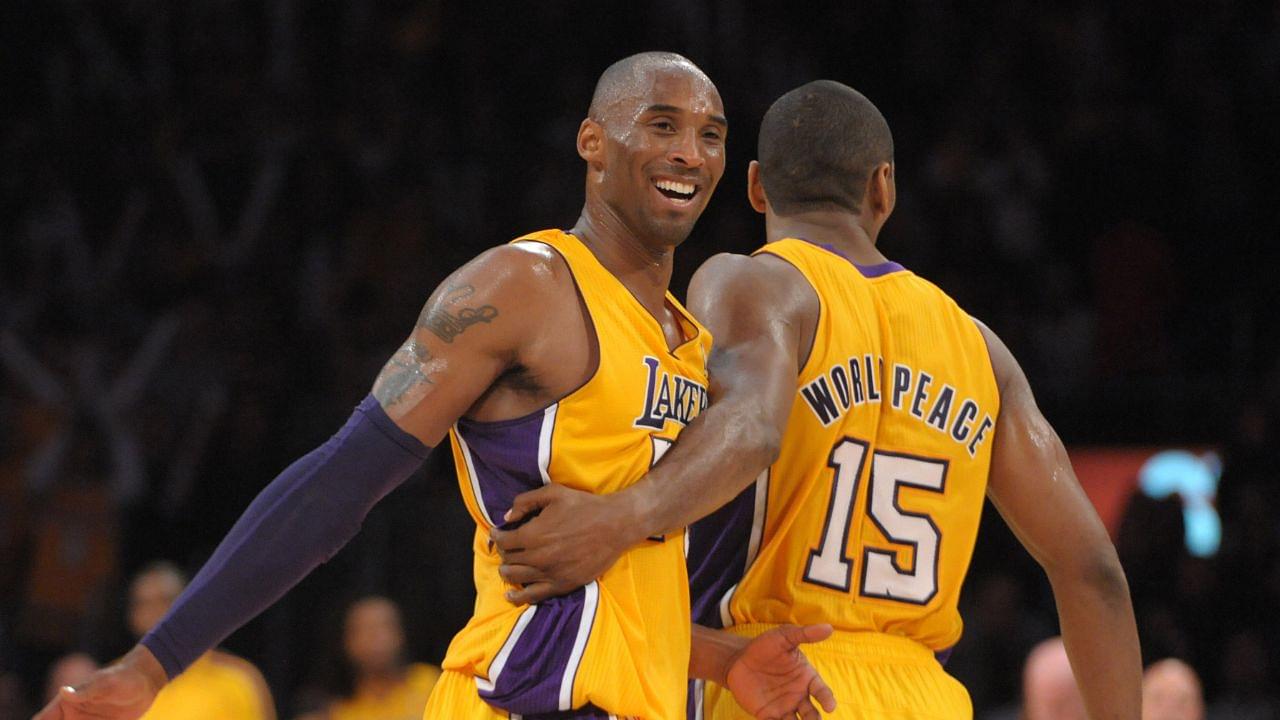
219	218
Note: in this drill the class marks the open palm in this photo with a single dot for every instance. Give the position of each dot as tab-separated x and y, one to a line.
772	680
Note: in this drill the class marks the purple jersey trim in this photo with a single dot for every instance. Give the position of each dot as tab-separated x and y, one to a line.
538	665
868	271
717	555
944	655
504	459
587	712
536	676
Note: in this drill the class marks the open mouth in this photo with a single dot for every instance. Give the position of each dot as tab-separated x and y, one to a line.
681	192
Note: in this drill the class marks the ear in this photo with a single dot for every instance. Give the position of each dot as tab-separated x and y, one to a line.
882	192
755	188
591	143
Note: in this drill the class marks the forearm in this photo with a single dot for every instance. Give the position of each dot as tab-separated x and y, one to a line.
297	522
719	454
712	652
1099	631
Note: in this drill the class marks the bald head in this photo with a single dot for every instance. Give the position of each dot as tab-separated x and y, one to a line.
1171	691
631	77
1048	686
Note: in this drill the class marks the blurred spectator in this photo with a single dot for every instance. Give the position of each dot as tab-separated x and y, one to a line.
1171	691
68	670
1048	685
218	685
383	685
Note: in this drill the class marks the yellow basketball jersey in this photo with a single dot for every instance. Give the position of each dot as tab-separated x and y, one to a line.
868	518
621	644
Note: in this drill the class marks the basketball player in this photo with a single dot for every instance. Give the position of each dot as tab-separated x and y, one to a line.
561	355
873	415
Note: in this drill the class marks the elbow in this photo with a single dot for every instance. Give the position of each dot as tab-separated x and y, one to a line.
1099	573
764	443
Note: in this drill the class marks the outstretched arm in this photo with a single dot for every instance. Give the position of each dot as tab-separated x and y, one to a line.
1035	490
762	314
472	329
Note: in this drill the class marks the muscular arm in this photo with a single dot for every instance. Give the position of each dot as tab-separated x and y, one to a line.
761	312
1035	490
473	328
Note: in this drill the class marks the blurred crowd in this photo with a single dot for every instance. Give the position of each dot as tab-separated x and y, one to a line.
220	217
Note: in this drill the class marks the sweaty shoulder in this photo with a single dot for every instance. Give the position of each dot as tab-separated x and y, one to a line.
740	296
760	281
1009	375
512	289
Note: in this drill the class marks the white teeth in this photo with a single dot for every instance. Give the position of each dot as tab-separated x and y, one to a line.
677	187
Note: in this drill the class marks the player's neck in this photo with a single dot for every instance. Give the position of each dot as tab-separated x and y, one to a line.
645	269
842	230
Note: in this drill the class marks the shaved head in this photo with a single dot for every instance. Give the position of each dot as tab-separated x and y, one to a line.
654	145
818	146
630	77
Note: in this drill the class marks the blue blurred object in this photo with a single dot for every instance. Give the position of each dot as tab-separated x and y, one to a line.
1194	478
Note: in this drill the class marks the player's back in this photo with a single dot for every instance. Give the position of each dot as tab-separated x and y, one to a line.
867	519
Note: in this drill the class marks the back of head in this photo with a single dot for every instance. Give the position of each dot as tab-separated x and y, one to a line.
818	145
1049	687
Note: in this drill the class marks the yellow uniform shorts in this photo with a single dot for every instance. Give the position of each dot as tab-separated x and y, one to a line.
874	677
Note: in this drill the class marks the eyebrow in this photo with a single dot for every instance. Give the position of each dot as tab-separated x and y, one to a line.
664	108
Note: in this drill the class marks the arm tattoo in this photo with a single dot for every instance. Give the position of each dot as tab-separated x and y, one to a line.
447	325
405	371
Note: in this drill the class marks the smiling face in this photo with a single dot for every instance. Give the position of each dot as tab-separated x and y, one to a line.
656	151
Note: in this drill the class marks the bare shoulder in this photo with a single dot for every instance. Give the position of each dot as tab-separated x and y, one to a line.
1009	375
751	281
524	267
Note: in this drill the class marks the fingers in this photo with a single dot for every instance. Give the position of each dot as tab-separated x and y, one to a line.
800	634
521	574
819	690
528	503
532	593
507	542
807	711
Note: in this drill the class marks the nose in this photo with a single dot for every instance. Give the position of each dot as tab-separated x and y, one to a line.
685	150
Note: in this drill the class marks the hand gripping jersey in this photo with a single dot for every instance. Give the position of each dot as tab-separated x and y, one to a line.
621	644
868	518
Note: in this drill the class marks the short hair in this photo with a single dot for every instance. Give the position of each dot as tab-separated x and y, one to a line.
818	145
621	78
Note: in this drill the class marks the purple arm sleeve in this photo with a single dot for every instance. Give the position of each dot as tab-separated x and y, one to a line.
297	522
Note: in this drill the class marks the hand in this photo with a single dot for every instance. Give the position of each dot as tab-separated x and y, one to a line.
772	680
121	691
569	538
